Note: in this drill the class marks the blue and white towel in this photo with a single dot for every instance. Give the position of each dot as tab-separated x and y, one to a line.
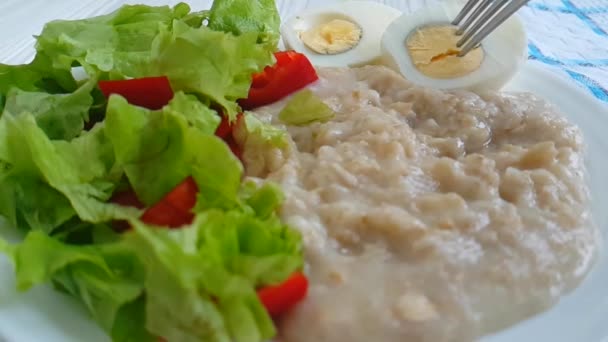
571	36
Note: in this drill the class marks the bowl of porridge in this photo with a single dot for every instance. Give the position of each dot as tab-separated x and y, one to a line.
425	211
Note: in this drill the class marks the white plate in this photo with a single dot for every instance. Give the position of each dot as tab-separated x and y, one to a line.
44	315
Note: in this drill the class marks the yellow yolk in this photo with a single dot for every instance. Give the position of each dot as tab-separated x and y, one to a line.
433	51
333	37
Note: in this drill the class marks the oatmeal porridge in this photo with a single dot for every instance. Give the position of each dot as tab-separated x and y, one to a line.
427	215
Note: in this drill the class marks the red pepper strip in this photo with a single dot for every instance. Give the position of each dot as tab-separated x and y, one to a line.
283	57
290	73
164	214
183	196
280	298
174	210
224	130
149	92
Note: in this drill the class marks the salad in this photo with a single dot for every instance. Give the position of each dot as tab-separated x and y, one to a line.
127	183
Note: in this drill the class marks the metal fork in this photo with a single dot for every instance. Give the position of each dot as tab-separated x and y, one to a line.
481	17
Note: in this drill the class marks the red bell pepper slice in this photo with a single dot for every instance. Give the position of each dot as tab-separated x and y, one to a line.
164	214
292	72
174	210
183	196
224	130
149	92
281	298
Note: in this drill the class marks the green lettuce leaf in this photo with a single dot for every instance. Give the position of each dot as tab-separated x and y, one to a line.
304	108
145	142
39	75
178	307
265	251
196	113
105	277
130	323
197	283
217	172
246	16
60	116
213	65
118	43
21	76
259	133
201	279
45	211
7	249
51	181
139	41
263	200
8	205
193	284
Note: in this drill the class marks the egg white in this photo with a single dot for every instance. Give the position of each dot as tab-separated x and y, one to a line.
373	19
505	50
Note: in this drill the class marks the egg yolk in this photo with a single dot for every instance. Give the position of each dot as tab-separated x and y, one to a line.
333	37
434	53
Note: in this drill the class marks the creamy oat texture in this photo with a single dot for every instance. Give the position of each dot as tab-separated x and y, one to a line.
426	215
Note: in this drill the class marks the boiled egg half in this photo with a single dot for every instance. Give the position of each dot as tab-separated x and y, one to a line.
422	47
343	34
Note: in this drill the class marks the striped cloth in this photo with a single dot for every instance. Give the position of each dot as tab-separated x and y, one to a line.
571	36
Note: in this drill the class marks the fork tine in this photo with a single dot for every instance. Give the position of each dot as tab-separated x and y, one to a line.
503	15
483	5
468	7
483	19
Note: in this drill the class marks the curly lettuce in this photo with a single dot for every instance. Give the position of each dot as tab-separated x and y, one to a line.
65	151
